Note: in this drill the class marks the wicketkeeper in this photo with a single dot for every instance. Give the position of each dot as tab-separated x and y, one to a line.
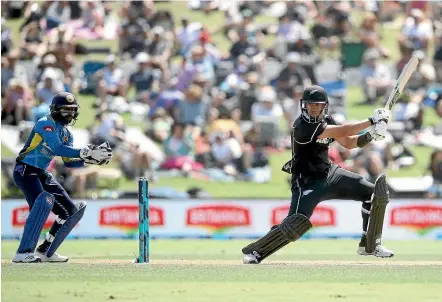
50	137
315	178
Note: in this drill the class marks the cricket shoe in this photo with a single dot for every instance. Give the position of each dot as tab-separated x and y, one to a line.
250	259
54	258
26	258
379	251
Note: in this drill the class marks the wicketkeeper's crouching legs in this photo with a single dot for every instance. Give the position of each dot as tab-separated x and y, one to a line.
290	229
68	215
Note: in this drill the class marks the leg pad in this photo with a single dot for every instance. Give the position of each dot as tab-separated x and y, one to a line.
377	212
66	228
291	229
34	224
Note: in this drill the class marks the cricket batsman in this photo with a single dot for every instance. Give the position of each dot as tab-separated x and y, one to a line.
315	178
50	137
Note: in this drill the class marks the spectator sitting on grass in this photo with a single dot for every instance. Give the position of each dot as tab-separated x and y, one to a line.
192	109
110	128
368	33
58	13
376	77
142	9
160	126
112	82
32	41
164	19
224	124
41	109
8	70
219	107
146	79
180	149
198	63
417	29
422	77
227	153
169	99
267	106
158	46
49	86
243	46
188	34
179	143
133	33
292	75
6	38
18	102
133	161
93	17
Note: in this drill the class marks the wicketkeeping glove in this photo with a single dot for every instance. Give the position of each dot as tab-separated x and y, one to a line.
97	155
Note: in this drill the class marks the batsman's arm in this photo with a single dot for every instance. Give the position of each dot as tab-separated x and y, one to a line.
332	131
355	141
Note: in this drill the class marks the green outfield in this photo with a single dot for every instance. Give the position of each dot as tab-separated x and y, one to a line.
205	270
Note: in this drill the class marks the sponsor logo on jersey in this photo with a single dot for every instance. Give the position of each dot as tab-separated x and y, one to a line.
306	192
324	141
48	128
45	152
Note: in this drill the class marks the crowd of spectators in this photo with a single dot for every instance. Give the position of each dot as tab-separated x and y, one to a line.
219	112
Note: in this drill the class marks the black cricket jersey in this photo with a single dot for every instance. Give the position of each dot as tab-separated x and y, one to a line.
309	153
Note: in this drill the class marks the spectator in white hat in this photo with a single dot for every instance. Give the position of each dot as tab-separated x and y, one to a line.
267	106
417	29
145	79
292	75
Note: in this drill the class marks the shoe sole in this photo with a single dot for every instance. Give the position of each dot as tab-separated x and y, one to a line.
54	261
25	262
391	256
250	262
42	257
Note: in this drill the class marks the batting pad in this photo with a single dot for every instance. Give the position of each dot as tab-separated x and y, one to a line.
66	228
34	224
377	213
291	229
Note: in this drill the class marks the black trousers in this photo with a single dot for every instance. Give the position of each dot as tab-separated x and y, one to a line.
339	184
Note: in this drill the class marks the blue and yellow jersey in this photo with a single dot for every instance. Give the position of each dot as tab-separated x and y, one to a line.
49	138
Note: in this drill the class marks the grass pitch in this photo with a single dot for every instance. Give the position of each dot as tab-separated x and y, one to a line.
205	270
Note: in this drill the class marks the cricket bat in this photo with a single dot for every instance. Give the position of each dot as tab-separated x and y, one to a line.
401	82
